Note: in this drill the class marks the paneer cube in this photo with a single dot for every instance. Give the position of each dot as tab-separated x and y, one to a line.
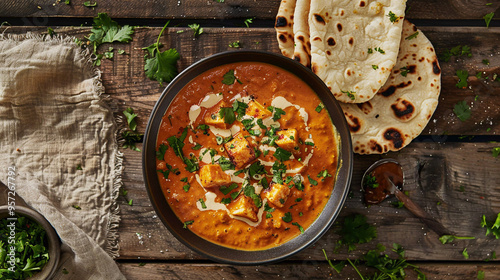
256	110
244	207
277	194
212	116
211	175
288	139
240	151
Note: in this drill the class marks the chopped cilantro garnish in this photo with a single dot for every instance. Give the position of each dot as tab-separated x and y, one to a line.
169	170
197	30
370	50
129	114
240	108
187	223
404	71
229	78
248	21
278	170
320	107
375	67
487	18
299	199
282	154
465	254
450	238
196	147
370	181
393	17
350	94
225	163
310	143
462	76
256	169
312	181
355	230
234	195
277	112
462	110
89	4
227	189
177	144
486	62
492	227
227	114
287	217
380	50
202	202
186	187
160	154
131	202
249	191
495	151
76	207
299	226
225	200
412	36
235	44
455	51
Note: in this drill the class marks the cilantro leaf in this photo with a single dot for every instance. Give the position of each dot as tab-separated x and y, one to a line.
492	227
187	223
160	154
393	17
287	217
299	226
249	191
462	110
350	94
450	238
412	36
196	29
320	107
312	181
227	114
130	115
229	78
355	230
282	154
160	66
256	169
462	76
227	189
455	51
88	4
131	138
106	30
495	152
487	18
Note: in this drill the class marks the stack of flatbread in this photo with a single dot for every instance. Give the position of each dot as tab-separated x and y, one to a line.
381	68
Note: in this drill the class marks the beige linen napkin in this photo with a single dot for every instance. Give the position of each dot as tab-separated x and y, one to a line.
59	135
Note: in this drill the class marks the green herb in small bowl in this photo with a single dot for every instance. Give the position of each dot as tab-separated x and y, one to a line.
29	246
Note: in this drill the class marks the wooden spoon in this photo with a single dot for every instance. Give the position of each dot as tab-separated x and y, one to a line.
389	187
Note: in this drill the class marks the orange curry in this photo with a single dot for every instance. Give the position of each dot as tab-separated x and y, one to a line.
247	156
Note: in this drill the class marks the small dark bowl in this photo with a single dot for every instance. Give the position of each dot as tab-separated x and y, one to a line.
217	252
50	267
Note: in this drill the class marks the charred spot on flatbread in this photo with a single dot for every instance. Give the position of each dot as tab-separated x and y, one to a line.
331	41
403	109
365	107
375	147
395	137
281	22
353	122
319	18
339	27
435	67
351	41
282	38
362	3
392	89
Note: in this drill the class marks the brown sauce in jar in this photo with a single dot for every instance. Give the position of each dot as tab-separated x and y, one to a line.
374	193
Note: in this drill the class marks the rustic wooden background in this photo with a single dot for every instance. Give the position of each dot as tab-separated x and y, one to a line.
449	154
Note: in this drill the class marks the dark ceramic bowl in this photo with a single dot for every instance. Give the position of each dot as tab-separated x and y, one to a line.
50	267
224	254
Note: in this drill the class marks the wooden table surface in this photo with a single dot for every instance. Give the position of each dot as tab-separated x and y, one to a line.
457	179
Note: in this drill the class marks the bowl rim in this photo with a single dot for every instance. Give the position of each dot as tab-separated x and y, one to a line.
52	238
218	252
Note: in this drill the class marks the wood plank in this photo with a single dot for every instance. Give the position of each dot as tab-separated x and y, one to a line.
435	174
43	10
300	270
